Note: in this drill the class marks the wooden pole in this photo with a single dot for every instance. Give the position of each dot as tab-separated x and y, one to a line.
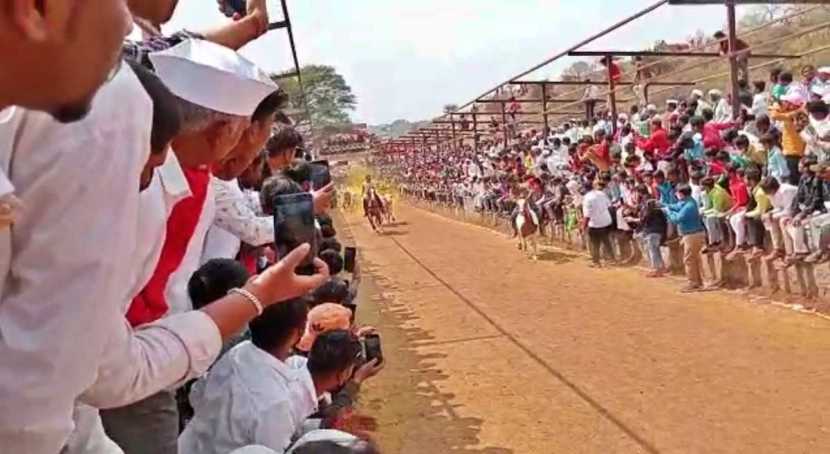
454	147
612	97
733	59
545	108
504	125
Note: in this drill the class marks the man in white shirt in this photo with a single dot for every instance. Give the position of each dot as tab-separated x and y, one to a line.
723	111
760	100
697	96
597	221
781	195
258	394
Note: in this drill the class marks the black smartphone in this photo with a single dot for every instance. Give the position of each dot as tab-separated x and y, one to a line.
229	7
320	174
294	225
371	348
349	258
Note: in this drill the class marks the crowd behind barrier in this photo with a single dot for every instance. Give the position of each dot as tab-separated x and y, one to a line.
749	196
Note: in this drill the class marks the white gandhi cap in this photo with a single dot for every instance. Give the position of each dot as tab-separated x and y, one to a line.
213	76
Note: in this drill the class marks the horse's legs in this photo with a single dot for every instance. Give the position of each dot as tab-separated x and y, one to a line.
535	248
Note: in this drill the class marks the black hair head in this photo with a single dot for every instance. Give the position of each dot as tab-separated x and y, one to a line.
274	327
214	279
334	261
684	189
299	171
285	139
335	290
333	352
331	243
273	187
818	108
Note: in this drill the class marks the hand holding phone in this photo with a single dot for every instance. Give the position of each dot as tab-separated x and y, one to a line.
294	225
281	282
372	349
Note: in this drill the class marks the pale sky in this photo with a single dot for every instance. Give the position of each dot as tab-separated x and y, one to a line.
408	58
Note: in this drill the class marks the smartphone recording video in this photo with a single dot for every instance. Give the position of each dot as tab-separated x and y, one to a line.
231	7
371	348
349	259
320	174
294	225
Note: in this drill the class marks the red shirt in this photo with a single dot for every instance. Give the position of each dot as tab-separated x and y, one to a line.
716	168
616	74
658	143
738	191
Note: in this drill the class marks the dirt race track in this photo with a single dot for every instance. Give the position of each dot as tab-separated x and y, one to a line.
491	353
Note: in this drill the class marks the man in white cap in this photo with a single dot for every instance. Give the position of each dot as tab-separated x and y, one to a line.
697	96
723	111
213	122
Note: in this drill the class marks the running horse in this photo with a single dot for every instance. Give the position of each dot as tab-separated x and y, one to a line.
388	212
527	226
373	209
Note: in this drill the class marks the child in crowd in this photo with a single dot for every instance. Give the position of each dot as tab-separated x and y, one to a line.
717	208
759	205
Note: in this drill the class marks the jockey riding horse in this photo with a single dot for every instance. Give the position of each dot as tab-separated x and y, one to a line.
372	204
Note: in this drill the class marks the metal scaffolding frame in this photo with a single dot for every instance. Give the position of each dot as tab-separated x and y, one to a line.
491	95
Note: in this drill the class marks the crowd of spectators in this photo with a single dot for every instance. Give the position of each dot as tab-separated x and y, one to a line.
687	172
143	304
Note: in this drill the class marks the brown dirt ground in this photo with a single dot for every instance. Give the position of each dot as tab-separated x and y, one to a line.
491	353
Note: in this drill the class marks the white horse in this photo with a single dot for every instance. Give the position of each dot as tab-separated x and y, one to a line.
527	228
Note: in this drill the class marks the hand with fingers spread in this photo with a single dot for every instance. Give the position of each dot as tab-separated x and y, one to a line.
280	282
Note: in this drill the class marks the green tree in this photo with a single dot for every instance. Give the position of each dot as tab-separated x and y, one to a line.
329	97
450	108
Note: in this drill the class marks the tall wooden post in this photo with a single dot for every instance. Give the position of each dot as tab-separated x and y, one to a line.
612	98
733	59
545	108
452	119
475	133
504	124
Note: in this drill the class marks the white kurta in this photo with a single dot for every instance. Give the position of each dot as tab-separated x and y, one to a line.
248	397
236	221
66	268
78	183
